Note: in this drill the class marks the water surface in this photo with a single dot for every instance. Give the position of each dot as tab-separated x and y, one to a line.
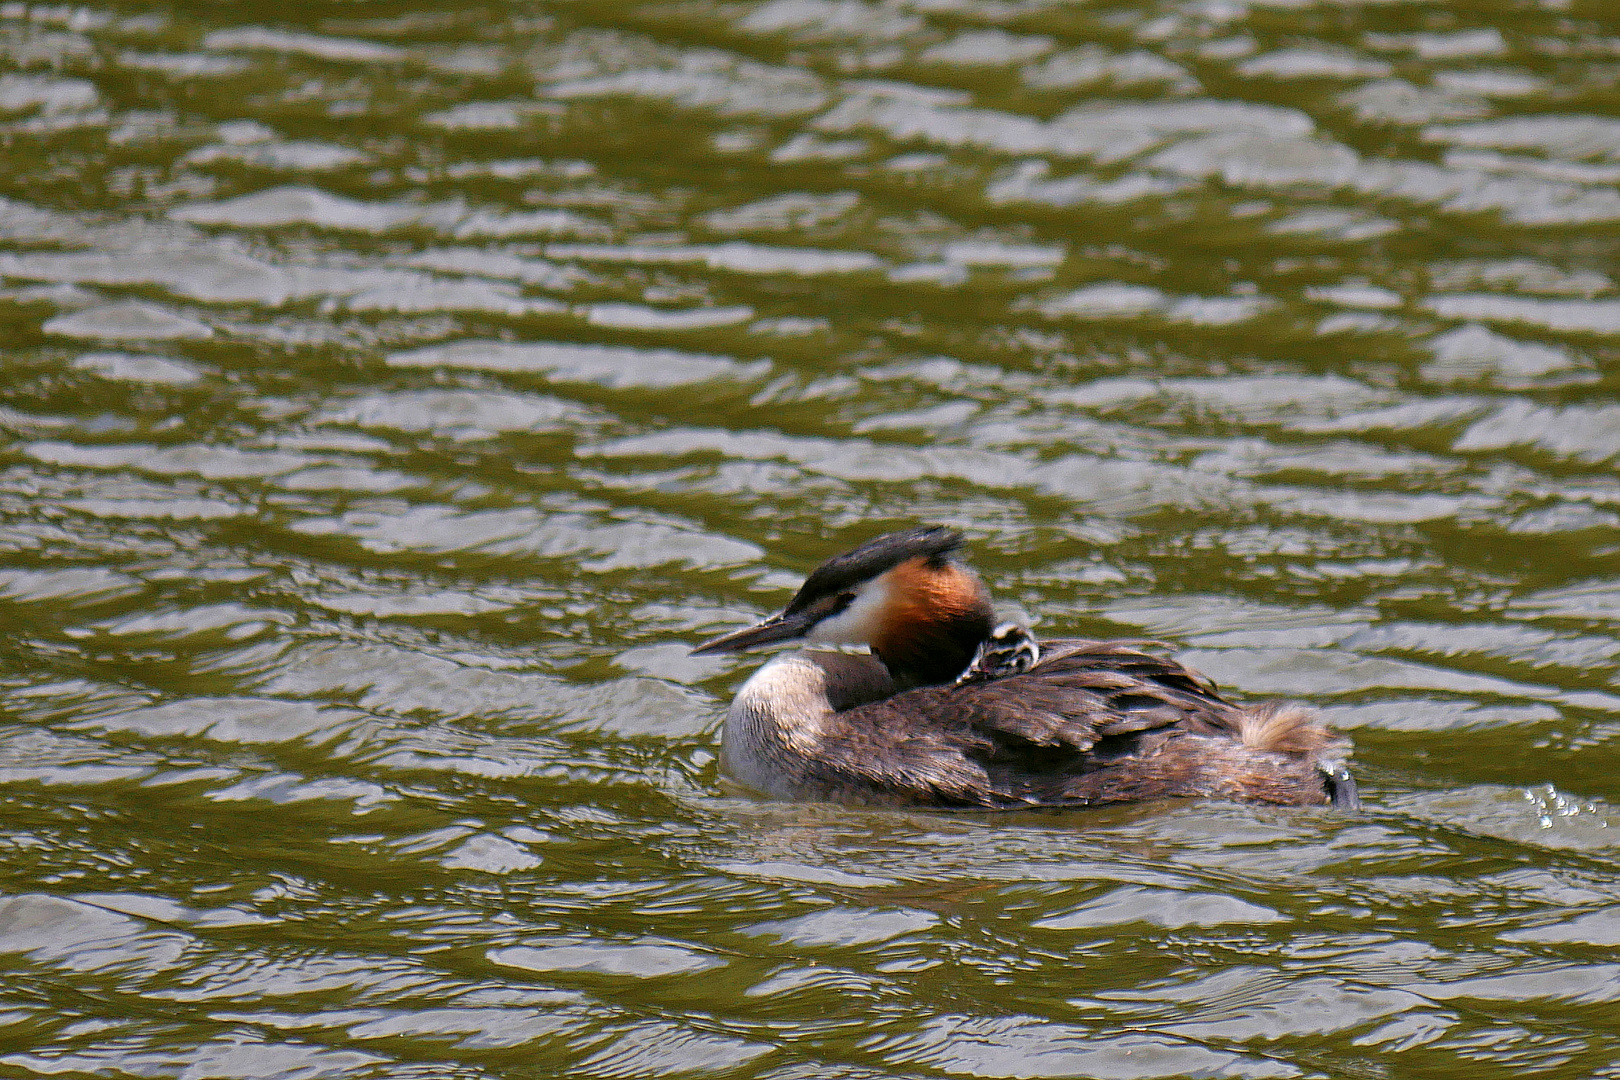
395	392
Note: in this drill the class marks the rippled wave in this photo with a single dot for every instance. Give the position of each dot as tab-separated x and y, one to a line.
396	392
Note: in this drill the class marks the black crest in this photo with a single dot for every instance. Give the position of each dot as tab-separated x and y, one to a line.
844	572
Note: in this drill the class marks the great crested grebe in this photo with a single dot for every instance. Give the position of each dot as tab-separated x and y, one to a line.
950	710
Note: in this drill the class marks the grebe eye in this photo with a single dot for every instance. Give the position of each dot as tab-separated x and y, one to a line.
842	601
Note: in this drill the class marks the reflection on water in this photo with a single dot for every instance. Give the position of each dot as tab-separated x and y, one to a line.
394	391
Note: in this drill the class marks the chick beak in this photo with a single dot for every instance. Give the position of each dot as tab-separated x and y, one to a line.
783	627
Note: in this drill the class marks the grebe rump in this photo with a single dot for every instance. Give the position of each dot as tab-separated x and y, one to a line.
950	710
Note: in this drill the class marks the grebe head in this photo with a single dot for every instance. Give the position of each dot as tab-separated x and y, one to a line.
905	594
1009	650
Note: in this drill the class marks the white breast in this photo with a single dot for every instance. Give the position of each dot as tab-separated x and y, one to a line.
775	726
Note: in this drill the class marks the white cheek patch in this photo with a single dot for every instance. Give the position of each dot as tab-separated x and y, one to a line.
858	623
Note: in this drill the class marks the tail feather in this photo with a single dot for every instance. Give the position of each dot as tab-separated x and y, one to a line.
1285	728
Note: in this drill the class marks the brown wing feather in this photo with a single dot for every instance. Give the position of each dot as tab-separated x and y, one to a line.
1005	742
1086	691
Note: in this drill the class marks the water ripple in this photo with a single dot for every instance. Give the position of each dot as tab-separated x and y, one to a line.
395	394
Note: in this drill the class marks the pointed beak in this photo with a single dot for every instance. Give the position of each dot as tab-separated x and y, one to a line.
782	627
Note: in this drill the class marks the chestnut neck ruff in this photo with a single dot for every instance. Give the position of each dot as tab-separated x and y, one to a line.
939	616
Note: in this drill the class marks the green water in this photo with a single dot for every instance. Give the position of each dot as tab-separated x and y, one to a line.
393	393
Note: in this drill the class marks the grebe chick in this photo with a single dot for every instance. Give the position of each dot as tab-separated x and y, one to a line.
950	710
1009	650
